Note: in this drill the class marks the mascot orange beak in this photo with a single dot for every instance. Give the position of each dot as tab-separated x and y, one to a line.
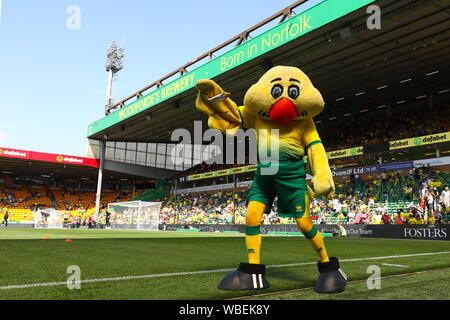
283	112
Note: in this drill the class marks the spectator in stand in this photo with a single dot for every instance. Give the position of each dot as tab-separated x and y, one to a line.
385	195
422	204
423	191
436	202
386	218
445	201
432	219
419	219
441	221
351	217
376	217
408	191
429	198
412	219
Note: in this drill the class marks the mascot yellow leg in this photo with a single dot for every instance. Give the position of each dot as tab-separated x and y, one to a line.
249	276
331	279
253	219
306	226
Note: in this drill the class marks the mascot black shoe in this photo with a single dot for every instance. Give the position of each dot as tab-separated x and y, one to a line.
248	276
331	279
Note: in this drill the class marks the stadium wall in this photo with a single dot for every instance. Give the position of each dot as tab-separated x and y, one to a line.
419	232
424	232
404	173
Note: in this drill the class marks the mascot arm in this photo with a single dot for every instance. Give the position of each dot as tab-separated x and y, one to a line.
223	113
318	162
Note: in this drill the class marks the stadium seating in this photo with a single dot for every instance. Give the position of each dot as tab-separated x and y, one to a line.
21	197
216	207
374	129
21	201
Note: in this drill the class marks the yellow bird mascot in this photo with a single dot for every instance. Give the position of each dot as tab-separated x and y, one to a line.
281	105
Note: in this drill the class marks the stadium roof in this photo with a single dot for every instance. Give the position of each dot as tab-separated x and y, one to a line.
32	164
354	67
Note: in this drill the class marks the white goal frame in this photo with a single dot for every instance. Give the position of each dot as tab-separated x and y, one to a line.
140	205
54	220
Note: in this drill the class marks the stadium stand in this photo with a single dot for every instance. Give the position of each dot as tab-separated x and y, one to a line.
381	127
21	201
378	193
384	193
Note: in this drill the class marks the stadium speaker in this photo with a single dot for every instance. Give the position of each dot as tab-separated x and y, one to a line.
266	64
381	147
345	32
175	105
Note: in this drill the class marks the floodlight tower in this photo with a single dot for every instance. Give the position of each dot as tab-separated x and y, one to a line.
113	64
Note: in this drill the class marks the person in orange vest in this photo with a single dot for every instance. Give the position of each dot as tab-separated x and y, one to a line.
398	218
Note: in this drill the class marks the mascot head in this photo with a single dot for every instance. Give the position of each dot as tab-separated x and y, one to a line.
283	94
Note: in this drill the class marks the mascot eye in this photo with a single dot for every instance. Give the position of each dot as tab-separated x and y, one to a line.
293	92
277	90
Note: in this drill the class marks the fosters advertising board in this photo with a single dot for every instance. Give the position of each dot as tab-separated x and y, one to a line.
313	18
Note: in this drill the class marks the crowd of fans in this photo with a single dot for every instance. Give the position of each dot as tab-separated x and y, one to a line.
24	203
380	128
387	197
22	197
367	130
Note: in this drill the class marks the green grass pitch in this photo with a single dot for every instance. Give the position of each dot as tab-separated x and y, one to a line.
119	264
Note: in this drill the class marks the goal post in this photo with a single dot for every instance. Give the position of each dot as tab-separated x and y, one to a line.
48	218
140	215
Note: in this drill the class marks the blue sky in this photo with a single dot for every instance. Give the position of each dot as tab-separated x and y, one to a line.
52	79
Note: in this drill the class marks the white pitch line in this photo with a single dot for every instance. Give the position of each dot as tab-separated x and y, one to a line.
50	284
394	265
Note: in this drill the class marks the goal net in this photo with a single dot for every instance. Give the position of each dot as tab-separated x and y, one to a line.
48	218
140	215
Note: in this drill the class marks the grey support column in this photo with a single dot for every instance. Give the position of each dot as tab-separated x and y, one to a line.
100	176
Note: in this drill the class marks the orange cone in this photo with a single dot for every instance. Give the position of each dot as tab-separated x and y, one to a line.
69	240
46	238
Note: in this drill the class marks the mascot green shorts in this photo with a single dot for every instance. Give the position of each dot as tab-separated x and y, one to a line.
288	183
